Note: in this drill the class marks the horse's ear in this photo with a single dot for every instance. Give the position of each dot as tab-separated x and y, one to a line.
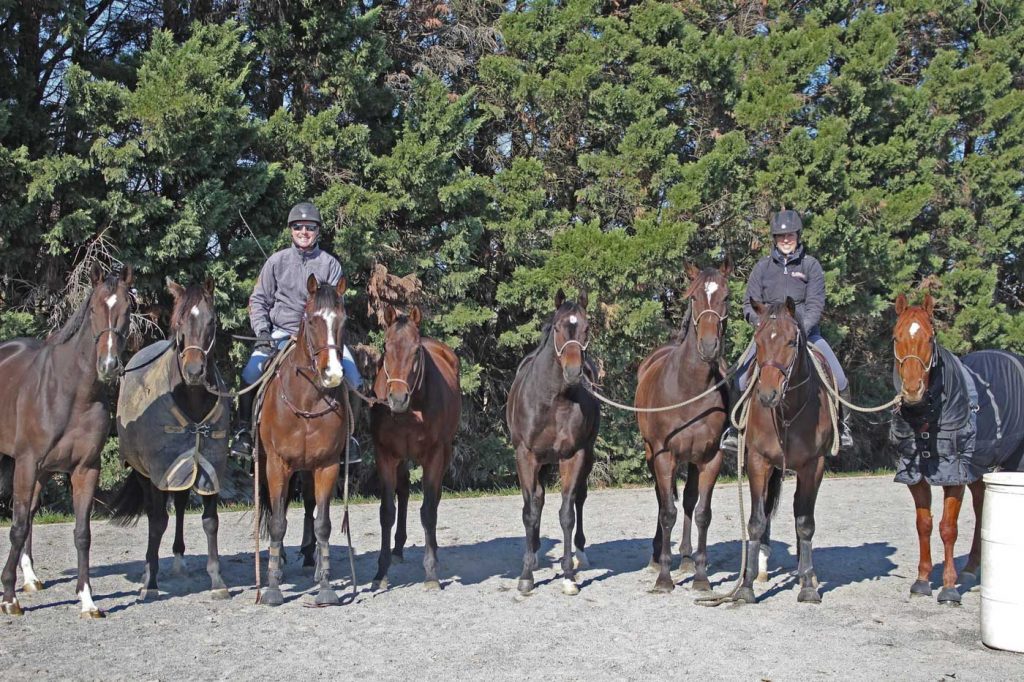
176	289
415	316
583	299
559	298
390	314
791	306
758	307
928	305
311	285
692	271
342	286
128	275
95	274
901	304
726	267
208	284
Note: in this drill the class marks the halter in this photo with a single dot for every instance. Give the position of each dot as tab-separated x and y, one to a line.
926	365
696	321
418	381
204	351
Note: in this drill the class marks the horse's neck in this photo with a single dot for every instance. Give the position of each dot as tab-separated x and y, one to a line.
546	381
687	361
76	357
195	401
297	375
804	382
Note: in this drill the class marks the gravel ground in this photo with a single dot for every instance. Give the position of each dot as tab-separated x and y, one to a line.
478	625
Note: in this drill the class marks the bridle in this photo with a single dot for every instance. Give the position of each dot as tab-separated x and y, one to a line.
417	382
787	371
695	320
313	353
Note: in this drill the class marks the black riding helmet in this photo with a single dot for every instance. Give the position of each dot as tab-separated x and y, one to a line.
304	211
786	222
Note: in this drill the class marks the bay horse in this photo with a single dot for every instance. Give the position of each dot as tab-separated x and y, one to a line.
416	417
957	419
789	426
55	417
553	419
672	374
304	426
172	421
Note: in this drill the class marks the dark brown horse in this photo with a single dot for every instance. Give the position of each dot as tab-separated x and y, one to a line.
673	374
418	379
55	416
172	431
553	419
303	426
789	426
945	436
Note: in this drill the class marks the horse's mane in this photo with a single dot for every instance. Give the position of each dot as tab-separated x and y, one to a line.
74	323
194	295
326	297
779	309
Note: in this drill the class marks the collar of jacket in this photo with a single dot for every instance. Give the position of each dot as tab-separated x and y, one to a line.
306	255
794	258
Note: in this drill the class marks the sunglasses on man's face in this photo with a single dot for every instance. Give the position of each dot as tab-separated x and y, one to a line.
300	227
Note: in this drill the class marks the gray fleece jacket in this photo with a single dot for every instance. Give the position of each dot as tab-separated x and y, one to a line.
799	276
280	294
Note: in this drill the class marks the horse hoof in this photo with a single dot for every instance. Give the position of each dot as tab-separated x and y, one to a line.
570	588
525	586
949	596
687	566
12	608
580	560
745	595
92	614
379	584
653	566
271	597
431	585
663	587
809	595
33	586
921	588
148	594
327	597
220	593
702	585
762	577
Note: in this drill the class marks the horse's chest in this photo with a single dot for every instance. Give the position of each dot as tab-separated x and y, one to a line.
562	435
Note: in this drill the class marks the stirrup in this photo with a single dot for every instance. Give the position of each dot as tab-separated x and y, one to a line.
241	444
730	441
353	453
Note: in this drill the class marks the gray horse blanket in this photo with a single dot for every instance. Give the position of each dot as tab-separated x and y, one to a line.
157	438
970	422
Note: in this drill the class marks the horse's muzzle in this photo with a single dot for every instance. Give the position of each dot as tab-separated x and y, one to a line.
193	375
398	402
769	398
108	368
709	351
572	375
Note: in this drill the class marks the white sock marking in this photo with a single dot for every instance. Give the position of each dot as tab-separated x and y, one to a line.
710	288
26	570
762	561
87	603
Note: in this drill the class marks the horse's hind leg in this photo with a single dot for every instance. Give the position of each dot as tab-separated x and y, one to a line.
308	547
211	524
156	511
21	526
702	518
580	560
83	483
691	494
970	572
180	506
433	475
402	492
808	481
324	481
664	468
533	504
387	469
922	494
953	497
30	582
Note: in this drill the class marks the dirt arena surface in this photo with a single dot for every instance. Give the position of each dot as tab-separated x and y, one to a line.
478	626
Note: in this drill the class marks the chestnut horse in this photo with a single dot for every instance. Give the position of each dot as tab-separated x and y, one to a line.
55	416
172	432
672	374
304	426
789	426
553	419
416	417
945	436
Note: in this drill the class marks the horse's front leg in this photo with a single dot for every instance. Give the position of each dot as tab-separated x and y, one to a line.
953	496
387	470
664	468
156	513
180	507
580	560
21	527
402	493
691	494
759	470
278	477
922	494
211	524
570	470
433	475
324	481
83	484
702	518
528	469
808	481
308	546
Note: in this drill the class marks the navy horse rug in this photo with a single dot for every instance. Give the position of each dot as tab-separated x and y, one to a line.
157	438
971	420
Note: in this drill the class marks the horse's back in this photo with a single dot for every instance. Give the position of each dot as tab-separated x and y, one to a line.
447	364
17	358
999	379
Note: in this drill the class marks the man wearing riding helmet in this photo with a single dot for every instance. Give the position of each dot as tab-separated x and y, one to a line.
789	271
276	307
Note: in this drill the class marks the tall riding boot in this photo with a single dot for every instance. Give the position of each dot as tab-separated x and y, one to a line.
845	435
353	453
730	441
241	442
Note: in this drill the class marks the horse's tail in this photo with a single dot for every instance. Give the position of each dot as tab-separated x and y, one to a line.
6	481
771	503
130	502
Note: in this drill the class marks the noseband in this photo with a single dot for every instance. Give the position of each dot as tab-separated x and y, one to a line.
926	365
721	327
417	382
787	372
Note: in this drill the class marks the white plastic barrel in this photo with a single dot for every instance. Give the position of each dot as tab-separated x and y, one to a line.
1002	561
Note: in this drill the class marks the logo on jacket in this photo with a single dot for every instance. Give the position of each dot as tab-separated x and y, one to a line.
798	275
